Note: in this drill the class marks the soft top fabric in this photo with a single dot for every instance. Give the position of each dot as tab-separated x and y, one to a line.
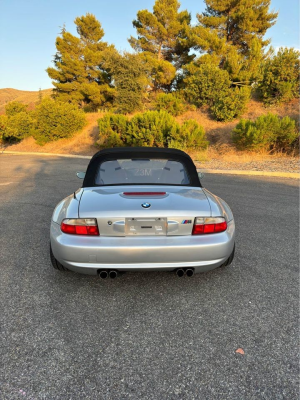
140	152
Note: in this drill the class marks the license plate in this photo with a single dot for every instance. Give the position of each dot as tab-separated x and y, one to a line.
145	226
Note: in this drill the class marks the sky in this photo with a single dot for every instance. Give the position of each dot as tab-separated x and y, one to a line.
28	29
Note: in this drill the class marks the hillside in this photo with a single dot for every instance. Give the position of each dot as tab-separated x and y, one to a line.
23	96
220	155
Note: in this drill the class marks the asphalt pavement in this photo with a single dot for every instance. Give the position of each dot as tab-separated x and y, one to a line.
148	335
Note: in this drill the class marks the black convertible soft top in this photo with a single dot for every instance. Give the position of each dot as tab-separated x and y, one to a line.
140	153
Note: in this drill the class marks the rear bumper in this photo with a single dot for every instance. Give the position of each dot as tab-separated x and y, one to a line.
149	253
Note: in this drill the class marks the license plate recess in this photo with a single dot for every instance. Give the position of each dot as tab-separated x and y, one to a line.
146	226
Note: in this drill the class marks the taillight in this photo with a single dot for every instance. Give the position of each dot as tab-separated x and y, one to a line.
203	226
80	226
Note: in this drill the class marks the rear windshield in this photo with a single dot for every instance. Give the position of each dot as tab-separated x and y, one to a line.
142	171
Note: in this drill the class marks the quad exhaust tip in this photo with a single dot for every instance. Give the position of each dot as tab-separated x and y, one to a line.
189	272
113	274
103	274
180	272
108	274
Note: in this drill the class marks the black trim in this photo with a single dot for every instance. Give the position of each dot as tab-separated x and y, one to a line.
140	152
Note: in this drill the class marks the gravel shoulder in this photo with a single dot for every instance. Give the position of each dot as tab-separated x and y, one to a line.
283	164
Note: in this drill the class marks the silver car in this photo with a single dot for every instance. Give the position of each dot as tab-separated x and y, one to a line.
141	209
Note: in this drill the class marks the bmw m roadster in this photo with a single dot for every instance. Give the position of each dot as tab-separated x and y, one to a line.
141	209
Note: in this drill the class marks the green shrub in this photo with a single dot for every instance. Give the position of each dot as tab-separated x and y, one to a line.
287	135
190	136
268	132
280	82
152	128
56	120
232	105
112	130
170	103
3	124
208	84
14	107
205	83
128	100
18	126
17	123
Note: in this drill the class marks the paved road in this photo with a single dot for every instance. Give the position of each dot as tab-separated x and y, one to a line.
147	335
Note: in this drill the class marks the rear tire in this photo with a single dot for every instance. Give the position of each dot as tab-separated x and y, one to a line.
56	264
230	259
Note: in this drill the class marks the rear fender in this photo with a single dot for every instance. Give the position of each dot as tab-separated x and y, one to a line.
68	207
218	206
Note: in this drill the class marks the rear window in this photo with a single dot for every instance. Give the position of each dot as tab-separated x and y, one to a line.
141	172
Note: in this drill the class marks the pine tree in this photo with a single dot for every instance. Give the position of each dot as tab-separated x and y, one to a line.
164	33
244	69
234	22
130	79
231	32
78	75
160	72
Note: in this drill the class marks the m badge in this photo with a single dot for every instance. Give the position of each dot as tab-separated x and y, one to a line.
186	221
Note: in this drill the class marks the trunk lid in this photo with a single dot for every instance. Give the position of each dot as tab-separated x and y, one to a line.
119	214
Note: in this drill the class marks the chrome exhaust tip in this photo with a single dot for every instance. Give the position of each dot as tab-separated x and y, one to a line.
180	272
189	272
103	274
113	274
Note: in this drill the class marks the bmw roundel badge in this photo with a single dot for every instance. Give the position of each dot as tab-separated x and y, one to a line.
146	205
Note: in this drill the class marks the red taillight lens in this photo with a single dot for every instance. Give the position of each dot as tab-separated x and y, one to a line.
203	226
80	226
221	227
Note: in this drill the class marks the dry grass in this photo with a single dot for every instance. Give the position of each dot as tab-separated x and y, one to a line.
23	96
231	155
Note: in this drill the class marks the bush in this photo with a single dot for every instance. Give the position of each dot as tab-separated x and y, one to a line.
268	132
170	103
56	120
190	136
18	126
14	107
153	128
112	130
232	105
280	82
205	83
